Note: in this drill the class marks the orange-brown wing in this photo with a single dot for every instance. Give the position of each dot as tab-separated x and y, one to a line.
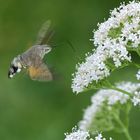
41	73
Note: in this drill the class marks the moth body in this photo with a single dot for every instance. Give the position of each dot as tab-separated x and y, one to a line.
32	59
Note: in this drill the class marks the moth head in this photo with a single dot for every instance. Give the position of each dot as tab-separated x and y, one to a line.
15	67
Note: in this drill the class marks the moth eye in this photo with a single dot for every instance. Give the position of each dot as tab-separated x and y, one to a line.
15	69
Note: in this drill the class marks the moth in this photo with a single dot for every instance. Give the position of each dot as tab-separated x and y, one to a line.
32	59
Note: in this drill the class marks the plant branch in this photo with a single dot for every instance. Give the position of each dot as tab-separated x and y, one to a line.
124	128
135	64
120	90
110	86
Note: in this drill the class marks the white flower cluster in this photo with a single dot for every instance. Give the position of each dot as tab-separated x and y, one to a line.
77	135
93	69
122	28
138	75
82	135
111	97
100	137
136	98
114	38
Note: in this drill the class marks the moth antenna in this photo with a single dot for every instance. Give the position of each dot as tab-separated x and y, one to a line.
73	48
70	45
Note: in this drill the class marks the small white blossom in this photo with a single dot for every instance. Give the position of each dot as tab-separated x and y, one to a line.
138	75
100	137
78	134
111	97
136	98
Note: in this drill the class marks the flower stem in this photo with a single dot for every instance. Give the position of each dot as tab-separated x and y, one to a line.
120	90
136	65
124	128
138	52
110	86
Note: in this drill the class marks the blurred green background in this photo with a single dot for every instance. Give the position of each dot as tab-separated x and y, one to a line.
32	110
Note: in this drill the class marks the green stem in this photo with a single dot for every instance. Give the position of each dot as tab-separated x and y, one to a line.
124	128
138	52
109	87
135	64
120	90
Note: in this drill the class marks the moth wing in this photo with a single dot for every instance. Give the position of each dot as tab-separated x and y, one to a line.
40	72
45	33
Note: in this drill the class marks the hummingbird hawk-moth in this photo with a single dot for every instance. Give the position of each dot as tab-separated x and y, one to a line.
32	59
